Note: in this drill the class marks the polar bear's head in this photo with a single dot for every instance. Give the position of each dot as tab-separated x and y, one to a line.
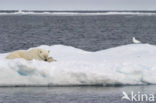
44	54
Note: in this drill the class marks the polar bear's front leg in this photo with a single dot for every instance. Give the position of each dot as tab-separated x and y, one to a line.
50	59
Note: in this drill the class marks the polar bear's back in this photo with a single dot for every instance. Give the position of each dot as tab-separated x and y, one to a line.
19	54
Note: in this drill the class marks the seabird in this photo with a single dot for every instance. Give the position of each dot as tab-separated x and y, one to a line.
136	41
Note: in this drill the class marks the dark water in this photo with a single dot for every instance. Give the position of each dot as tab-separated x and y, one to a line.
90	33
86	32
71	94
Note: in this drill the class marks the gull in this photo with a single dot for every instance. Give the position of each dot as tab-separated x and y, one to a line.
136	41
125	96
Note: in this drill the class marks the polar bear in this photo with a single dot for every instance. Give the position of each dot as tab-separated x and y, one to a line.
37	54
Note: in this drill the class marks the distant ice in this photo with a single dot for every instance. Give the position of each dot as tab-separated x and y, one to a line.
74	13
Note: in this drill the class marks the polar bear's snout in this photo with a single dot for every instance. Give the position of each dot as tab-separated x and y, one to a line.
46	59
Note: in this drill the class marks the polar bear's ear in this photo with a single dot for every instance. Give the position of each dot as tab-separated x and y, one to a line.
48	51
40	51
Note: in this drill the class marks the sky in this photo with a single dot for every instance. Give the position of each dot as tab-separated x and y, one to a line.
77	4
